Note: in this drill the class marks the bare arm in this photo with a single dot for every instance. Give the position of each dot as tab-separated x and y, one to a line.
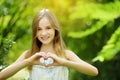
74	62
12	69
19	64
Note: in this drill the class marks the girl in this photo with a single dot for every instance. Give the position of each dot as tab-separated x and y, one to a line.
48	58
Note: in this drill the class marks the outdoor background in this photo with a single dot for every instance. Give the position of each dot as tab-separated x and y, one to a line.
91	28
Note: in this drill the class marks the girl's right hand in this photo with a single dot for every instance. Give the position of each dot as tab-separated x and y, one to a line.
34	59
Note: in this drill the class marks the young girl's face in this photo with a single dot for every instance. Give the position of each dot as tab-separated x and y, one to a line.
45	32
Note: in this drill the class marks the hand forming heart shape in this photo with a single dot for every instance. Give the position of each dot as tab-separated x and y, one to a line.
46	61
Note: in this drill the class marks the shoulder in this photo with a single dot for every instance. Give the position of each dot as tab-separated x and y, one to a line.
25	53
69	53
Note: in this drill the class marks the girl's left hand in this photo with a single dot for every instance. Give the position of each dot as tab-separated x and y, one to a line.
57	60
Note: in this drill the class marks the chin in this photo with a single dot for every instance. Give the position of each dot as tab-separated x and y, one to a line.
45	42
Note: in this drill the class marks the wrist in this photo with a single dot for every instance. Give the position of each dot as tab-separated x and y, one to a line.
27	62
65	62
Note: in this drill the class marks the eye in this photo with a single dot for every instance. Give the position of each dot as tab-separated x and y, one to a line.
39	29
48	27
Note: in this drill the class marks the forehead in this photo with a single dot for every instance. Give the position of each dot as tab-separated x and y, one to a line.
44	22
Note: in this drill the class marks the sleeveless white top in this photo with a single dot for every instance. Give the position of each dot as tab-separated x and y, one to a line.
49	73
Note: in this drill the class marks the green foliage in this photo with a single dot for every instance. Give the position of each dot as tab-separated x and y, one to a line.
92	30
92	10
104	13
11	25
4	49
111	48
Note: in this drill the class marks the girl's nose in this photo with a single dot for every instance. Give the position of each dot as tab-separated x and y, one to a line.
43	32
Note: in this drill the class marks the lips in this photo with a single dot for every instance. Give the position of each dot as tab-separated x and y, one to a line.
45	38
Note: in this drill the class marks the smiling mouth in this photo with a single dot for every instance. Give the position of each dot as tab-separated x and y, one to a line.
44	38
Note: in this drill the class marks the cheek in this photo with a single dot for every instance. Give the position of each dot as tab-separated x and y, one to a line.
53	32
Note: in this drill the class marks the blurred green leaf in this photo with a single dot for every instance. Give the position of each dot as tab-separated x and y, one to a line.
111	48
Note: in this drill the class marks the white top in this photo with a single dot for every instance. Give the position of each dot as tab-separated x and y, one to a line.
49	73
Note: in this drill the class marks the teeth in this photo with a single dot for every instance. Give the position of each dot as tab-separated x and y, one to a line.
45	38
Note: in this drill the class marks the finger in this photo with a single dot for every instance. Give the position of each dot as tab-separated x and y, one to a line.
42	54
49	54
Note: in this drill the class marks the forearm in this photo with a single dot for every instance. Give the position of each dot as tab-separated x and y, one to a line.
82	67
12	69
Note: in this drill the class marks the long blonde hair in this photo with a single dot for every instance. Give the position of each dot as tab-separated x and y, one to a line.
58	44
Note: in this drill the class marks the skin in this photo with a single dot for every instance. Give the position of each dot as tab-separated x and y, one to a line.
45	34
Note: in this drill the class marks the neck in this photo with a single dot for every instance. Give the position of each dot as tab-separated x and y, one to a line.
47	48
